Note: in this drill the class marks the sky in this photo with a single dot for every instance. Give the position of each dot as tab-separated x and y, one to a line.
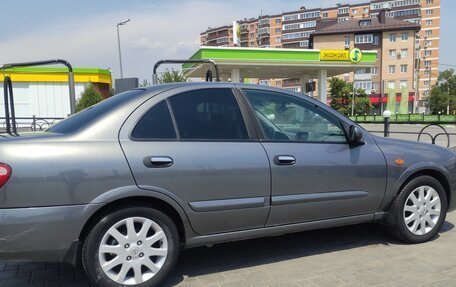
84	32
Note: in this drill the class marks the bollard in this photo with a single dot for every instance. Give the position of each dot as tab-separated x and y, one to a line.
386	129
34	123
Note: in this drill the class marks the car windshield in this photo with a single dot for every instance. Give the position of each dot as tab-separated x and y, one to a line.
86	116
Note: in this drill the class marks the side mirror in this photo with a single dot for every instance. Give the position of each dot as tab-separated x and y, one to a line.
355	135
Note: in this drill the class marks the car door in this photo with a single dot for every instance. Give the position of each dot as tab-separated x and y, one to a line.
316	174
194	145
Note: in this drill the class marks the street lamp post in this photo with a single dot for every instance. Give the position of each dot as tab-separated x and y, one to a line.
118	42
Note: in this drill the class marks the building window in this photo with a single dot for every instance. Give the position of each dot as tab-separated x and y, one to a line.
354	11
427	63
278	39
347	41
363	39
252	35
427	43
391	69
376	40
404	53
365	23
429	2
403	84
277	30
365	85
343	11
428	32
427	53
278	21
252	43
427	73
391	85
309	24
374	85
429	12
428	22
426	83
374	71
403	69
392	53
278	83
404	37
392	38
342	19
324	15
305	34
304	43
366	10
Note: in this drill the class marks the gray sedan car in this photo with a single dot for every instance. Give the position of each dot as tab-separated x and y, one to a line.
124	185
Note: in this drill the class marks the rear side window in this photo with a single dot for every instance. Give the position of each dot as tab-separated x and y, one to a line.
156	124
208	114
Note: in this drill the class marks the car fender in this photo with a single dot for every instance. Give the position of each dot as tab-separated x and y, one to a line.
134	191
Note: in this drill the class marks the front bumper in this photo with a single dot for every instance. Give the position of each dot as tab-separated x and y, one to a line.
41	233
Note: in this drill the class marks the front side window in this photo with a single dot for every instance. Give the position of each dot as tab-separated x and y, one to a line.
287	118
208	114
156	124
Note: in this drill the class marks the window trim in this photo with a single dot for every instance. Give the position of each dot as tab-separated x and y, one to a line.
259	129
135	139
252	135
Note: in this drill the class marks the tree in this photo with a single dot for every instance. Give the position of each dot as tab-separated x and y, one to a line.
444	93
172	76
145	83
89	97
341	98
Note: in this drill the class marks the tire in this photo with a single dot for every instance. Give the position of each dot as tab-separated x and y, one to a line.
422	201
119	242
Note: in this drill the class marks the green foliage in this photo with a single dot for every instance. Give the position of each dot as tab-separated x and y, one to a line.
444	93
89	97
145	83
171	76
341	98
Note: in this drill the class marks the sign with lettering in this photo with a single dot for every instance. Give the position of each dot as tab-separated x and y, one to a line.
353	55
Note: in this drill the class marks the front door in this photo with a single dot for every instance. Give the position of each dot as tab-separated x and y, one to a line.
194	146
316	174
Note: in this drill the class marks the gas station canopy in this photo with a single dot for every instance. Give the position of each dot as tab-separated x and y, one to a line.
305	64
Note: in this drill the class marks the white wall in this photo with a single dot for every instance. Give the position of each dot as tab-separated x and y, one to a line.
49	99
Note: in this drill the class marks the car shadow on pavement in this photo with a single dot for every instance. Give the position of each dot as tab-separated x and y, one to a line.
237	255
226	256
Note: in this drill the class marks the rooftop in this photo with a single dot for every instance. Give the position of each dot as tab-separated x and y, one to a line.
375	26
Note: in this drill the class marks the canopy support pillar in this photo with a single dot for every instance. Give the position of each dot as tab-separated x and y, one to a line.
235	76
322	86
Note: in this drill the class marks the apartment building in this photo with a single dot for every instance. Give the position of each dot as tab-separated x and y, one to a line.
394	41
293	29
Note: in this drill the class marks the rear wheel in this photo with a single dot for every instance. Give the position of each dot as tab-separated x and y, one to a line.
419	210
136	246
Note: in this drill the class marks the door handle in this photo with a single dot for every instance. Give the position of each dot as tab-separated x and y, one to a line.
284	160
158	161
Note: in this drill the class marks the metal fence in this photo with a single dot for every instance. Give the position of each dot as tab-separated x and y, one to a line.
31	123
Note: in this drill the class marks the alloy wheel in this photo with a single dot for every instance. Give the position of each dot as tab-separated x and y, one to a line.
422	210
133	250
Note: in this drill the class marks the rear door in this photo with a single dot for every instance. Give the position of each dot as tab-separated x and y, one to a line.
316	174
195	146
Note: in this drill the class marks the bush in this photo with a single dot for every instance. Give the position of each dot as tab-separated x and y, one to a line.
89	97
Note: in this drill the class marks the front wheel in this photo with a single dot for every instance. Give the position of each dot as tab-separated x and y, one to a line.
419	211
135	246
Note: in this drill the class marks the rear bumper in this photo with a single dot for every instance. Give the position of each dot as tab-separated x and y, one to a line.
42	233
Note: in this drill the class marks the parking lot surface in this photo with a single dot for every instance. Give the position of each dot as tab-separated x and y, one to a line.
362	255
